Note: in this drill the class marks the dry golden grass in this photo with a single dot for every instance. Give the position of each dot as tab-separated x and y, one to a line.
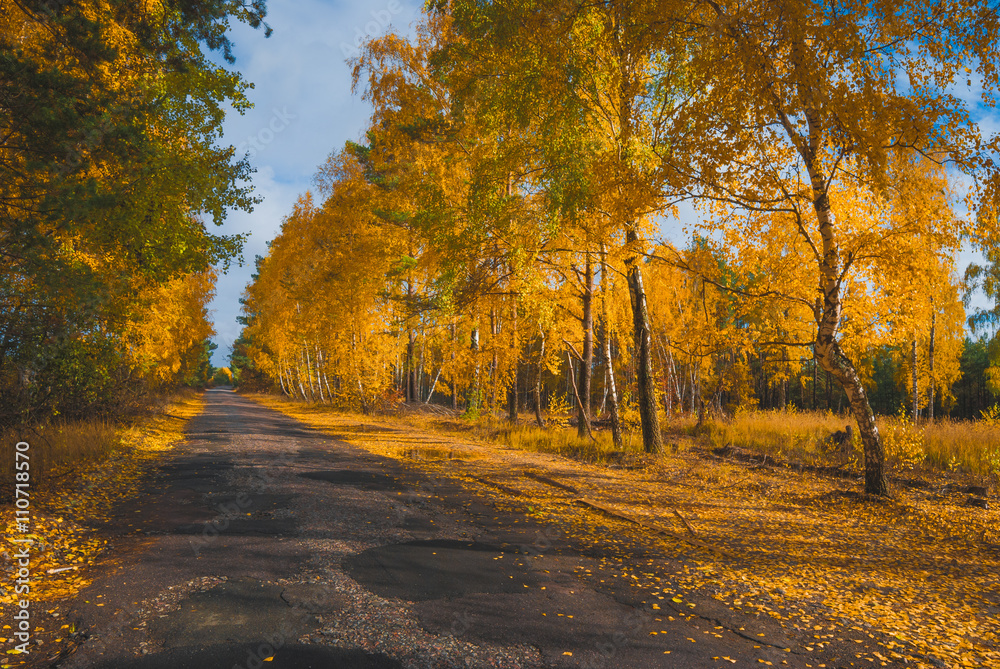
968	446
88	468
560	441
58	450
965	447
66	448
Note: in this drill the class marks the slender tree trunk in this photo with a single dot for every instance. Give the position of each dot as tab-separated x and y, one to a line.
829	307
765	386
828	351
430	391
930	368
420	364
309	375
783	393
411	372
681	381
604	395
576	394
329	391
815	380
475	391
587	364
669	365
916	392
516	354
454	373
281	380
494	331
298	376
319	385
321	365
829	391
691	380
652	439
616	423
538	383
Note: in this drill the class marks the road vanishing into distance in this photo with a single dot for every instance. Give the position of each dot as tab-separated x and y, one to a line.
261	542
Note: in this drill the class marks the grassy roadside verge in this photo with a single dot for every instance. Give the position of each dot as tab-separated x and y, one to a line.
92	467
803	549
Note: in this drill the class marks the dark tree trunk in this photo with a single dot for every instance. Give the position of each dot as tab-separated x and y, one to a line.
652	439
587	365
538	385
616	423
930	368
516	352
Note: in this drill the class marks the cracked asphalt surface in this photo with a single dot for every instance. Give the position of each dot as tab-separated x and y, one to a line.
262	540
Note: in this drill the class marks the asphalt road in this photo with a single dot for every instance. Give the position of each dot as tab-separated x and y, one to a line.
265	543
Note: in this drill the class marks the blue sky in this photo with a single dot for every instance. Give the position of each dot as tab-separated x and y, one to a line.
304	110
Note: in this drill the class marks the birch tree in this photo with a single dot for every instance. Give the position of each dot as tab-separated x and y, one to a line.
801	99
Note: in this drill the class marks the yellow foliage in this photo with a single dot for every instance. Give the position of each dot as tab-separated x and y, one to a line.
167	334
903	442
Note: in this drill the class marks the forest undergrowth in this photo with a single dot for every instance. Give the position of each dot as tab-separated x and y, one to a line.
802	546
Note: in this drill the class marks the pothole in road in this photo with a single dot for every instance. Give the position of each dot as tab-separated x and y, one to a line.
422	570
238	611
365	479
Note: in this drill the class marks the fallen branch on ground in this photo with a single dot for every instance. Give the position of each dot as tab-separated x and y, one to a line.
686	523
